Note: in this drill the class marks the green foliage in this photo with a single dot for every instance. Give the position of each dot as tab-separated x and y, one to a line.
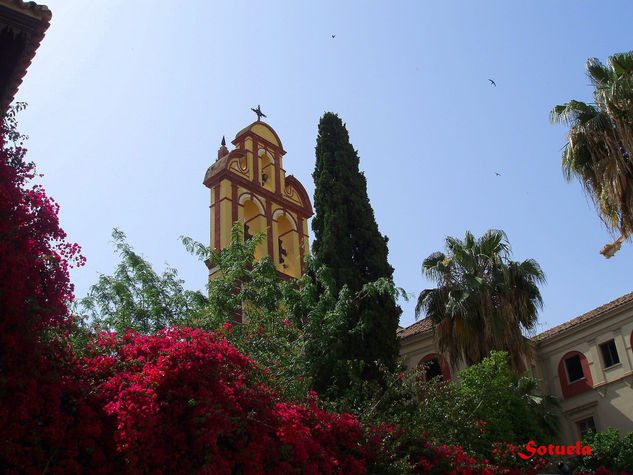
600	141
489	406
273	311
297	329
136	298
499	399
608	450
447	416
13	138
347	242
483	300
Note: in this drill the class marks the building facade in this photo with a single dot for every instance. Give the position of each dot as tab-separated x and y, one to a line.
249	184
586	362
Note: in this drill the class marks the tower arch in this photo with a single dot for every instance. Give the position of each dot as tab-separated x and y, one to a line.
252	213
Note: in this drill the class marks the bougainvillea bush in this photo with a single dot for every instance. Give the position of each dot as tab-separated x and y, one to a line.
186	401
38	392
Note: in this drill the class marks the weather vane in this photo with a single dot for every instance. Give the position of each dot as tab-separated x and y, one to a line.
259	113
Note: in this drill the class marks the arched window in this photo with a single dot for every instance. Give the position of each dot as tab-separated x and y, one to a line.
287	242
574	374
253	215
434	365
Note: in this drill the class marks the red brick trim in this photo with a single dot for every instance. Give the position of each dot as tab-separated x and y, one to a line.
305	211
277	174
256	178
301	191
577	387
302	251
289	231
269	229
216	204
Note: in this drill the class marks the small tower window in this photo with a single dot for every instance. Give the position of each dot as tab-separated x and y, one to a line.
609	353
267	169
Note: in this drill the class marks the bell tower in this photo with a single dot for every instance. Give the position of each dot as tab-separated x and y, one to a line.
249	184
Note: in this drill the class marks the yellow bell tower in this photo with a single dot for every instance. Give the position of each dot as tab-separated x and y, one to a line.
250	184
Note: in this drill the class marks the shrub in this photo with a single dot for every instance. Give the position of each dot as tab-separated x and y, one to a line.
41	418
608	450
189	392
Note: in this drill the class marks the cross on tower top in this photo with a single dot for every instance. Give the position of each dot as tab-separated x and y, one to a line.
259	113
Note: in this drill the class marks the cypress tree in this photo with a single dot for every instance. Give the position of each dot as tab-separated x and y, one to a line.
348	243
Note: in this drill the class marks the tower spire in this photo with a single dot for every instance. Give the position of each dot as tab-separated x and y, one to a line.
223	150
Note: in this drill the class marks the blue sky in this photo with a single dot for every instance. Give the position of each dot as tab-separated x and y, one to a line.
128	102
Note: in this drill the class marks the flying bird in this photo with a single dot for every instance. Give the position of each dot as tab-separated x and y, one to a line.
492	83
333	36
498	174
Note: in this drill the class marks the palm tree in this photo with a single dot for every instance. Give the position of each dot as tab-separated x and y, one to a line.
545	408
483	300
600	141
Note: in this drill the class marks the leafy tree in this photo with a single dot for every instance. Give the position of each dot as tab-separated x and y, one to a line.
600	141
273	312
608	450
544	408
347	242
500	400
483	300
136	298
486	414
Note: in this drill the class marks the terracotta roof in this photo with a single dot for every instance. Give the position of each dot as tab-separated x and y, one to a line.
221	164
29	19
423	326
585	317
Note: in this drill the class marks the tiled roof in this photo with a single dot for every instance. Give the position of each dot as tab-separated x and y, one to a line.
425	325
422	326
585	317
31	20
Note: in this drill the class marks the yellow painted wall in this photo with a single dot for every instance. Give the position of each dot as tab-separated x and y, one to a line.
265	133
